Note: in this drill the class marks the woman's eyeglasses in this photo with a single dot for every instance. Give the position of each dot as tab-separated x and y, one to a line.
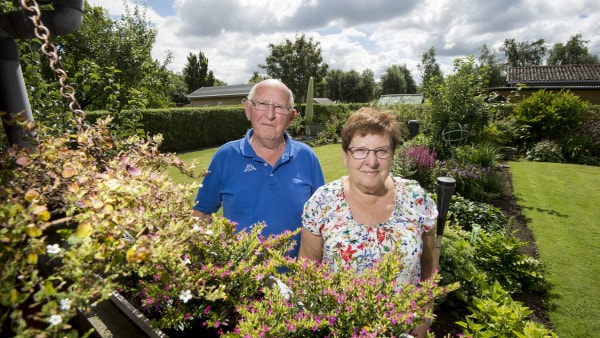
360	153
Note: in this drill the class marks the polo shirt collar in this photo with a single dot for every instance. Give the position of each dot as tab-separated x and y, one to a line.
246	147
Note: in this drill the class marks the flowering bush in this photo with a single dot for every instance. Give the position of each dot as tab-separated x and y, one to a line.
232	265
340	304
469	178
545	151
415	162
79	214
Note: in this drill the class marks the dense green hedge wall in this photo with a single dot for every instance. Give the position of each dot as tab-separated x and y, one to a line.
192	128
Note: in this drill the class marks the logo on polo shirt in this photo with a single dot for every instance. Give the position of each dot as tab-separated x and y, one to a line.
249	167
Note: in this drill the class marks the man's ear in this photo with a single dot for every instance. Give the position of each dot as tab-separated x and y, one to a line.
247	109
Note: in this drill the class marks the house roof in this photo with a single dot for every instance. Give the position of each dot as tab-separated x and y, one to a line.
222	91
322	100
555	75
400	98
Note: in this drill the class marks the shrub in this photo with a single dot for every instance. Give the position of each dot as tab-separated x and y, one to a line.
77	208
498	254
464	213
468	177
545	151
415	162
496	314
340	304
550	115
484	155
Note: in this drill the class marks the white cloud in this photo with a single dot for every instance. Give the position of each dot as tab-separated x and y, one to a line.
235	34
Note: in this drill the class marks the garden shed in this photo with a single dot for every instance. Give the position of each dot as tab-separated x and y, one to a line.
582	80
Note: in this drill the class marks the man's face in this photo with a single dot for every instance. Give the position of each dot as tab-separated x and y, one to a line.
269	112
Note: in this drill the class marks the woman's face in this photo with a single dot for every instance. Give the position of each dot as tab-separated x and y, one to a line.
370	173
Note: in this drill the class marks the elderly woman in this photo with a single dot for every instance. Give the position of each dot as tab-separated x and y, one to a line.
358	218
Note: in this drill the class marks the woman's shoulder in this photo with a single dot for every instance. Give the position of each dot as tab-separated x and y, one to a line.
330	188
408	185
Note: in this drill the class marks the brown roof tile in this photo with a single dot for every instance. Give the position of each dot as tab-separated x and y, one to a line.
588	74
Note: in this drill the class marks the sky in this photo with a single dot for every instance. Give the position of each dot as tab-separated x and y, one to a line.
357	35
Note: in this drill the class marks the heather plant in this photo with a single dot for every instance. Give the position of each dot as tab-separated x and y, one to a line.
340	304
415	162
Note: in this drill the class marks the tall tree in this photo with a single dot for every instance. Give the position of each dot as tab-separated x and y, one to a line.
459	109
109	64
573	52
195	71
520	54
334	81
411	85
366	88
256	78
431	73
350	84
493	68
294	62
393	81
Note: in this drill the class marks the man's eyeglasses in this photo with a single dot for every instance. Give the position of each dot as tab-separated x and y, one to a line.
277	108
360	153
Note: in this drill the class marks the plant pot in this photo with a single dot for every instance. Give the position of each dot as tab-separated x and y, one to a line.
116	317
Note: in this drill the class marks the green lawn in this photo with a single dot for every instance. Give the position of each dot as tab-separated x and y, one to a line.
329	155
561	204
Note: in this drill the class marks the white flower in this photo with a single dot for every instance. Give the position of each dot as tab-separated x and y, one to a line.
55	320
209	232
200	185
52	249
186	261
185	296
65	304
196	228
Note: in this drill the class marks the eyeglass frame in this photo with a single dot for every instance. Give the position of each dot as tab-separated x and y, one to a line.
352	149
286	110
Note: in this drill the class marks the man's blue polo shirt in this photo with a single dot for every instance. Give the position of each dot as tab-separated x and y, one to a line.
251	191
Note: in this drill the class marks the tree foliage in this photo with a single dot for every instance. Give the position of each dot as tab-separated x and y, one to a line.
256	78
350	86
394	81
294	62
521	54
459	107
572	53
494	69
431	73
109	64
196	72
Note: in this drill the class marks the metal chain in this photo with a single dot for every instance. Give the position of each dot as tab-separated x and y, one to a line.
49	49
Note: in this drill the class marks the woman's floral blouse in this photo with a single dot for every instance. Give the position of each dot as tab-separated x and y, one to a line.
345	241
